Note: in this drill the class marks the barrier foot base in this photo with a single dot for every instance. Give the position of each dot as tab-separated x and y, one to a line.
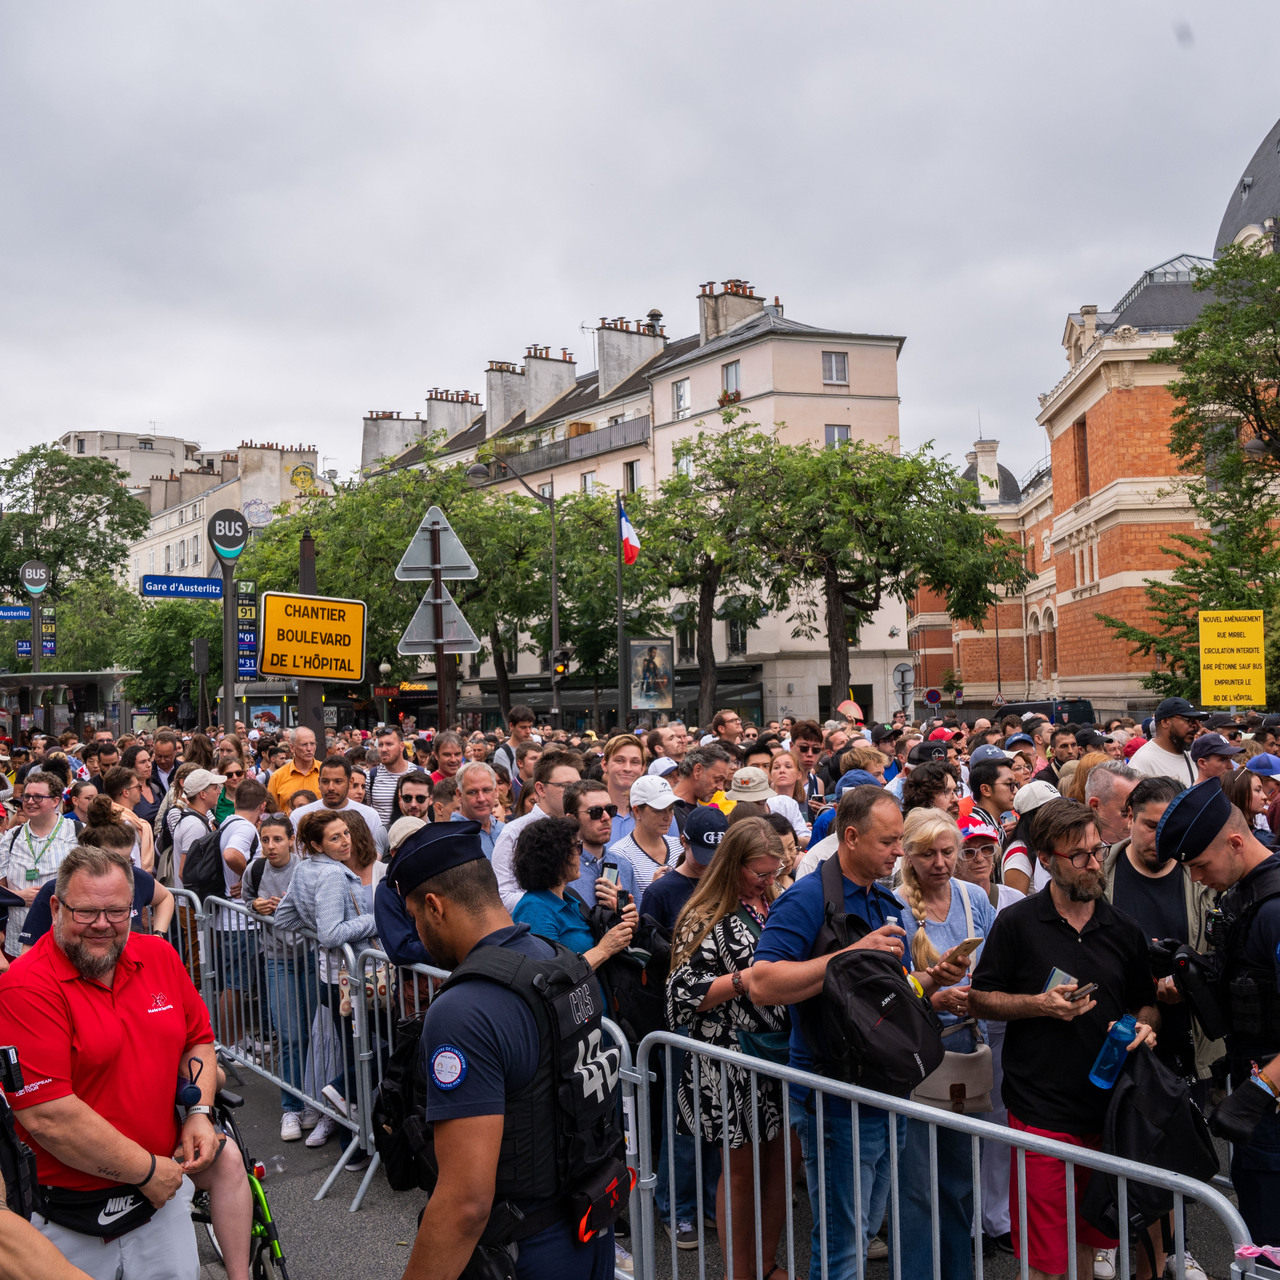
327	1184
365	1181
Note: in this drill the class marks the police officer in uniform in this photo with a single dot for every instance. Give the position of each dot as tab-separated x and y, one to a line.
523	1162
1214	841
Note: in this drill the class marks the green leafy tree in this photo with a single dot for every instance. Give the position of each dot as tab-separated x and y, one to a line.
1226	422
704	531
861	526
72	512
157	643
92	615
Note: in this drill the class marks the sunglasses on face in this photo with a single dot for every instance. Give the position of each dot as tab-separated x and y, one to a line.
597	811
407	798
234	773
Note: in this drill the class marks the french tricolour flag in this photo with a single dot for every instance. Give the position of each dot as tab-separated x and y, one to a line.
630	540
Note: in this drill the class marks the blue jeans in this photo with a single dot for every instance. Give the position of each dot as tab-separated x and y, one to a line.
291	997
686	1149
844	1218
955	1203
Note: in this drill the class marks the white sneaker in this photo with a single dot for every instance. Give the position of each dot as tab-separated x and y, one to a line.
290	1127
877	1249
1191	1269
323	1131
1104	1264
310	1118
622	1260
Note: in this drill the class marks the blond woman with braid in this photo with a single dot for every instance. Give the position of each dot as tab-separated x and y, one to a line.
942	912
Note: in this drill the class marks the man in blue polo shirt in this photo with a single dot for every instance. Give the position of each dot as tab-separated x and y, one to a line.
868	826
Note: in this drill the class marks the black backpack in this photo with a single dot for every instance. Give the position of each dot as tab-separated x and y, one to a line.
634	980
203	874
401	1133
17	1161
1151	1119
869	1025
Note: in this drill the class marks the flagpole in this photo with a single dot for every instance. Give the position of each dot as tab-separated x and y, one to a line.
624	681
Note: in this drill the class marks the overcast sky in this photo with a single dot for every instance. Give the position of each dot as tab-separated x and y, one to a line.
262	219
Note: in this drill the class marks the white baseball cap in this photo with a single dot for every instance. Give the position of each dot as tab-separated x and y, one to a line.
662	766
201	778
653	791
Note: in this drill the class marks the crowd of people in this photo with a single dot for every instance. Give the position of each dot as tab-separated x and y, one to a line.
1019	871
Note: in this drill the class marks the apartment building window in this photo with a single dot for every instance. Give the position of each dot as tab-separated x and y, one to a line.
686	637
151	560
837	434
736	637
1081	442
473	667
615	420
731	378
182	554
680	404
80	444
630	476
512	655
545	489
589	483
182	516
195	549
835	368
168	557
146	444
544	661
684	465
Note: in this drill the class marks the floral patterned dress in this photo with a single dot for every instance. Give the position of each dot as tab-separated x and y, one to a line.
728	948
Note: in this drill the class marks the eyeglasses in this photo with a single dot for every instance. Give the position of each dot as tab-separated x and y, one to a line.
972	852
407	798
597	811
1080	858
808	748
27	798
764	876
89	915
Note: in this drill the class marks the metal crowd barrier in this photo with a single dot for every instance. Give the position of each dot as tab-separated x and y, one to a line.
276	1014
705	1057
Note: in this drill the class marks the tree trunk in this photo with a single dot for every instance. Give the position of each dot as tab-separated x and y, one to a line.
707	589
500	671
837	636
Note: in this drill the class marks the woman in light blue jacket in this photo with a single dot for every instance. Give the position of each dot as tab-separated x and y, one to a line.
327	897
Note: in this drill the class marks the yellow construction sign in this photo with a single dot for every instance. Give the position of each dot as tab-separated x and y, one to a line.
311	637
1233	668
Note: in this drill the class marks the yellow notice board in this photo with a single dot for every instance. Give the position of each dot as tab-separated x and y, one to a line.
311	637
1232	667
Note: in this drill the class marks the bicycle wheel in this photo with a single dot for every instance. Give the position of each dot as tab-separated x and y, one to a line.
263	1265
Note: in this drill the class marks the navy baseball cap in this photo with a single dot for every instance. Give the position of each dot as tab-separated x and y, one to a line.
926	753
704	828
1213	744
437	847
856	778
1265	765
988	752
1020	739
1171	707
1192	821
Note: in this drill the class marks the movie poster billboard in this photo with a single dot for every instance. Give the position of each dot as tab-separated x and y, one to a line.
652	667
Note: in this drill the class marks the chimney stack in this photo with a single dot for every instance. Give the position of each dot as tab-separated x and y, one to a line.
720	312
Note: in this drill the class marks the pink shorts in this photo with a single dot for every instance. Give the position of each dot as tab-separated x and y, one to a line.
1047	1202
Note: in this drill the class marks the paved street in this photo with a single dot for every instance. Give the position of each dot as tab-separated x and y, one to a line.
325	1239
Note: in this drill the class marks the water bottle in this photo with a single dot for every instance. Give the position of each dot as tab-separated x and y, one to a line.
275	1166
1115	1048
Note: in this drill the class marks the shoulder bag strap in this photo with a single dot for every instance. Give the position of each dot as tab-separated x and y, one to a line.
970	932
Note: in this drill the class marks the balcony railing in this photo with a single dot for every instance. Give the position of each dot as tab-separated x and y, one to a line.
559	452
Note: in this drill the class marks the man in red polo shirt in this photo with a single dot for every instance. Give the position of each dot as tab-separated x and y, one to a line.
104	1022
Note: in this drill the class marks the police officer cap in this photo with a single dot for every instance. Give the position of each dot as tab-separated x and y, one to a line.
438	847
1192	821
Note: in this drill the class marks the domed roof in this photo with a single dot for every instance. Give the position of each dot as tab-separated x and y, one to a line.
1010	491
1257	195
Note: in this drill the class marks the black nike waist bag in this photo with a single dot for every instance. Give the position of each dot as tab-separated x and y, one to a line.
109	1213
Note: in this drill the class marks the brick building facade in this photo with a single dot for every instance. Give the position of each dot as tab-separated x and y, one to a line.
1092	517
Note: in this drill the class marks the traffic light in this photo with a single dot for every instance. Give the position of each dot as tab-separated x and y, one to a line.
559	665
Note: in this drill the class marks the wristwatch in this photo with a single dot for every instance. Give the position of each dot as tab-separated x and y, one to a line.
200	1111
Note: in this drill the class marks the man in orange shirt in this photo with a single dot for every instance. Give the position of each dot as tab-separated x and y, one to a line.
302	773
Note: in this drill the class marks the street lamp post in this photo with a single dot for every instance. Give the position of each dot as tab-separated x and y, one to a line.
384	670
477	475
